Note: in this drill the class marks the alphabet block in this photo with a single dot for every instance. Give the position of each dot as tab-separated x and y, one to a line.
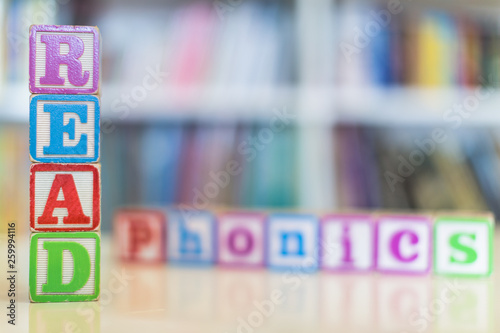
347	242
403	244
64	267
293	242
191	237
463	245
140	235
241	239
65	197
64	128
64	59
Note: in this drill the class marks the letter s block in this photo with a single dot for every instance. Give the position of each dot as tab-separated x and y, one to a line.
404	244
65	197
140	235
463	245
65	267
64	128
64	59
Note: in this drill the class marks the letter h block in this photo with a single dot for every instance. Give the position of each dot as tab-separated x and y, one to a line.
463	245
64	59
403	244
64	267
65	197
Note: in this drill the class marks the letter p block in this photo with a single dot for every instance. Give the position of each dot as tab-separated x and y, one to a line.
463	246
64	267
64	59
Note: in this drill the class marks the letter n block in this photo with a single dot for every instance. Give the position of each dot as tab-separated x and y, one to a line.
463	245
347	242
140	235
64	267
65	197
64	59
404	244
191	237
292	242
64	128
241	238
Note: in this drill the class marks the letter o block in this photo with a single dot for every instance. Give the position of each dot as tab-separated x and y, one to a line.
65	197
241	239
65	267
463	246
403	244
140	235
64	128
64	59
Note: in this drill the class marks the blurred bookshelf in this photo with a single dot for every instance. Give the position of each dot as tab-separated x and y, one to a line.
230	64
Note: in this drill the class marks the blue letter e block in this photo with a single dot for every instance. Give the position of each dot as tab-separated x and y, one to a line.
64	128
293	242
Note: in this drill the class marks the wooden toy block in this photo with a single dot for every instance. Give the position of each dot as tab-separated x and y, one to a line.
191	237
141	234
64	128
463	245
64	266
241	239
347	242
65	197
403	244
64	59
292	242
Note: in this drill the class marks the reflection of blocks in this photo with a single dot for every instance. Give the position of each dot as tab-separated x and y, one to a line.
64	267
65	197
347	242
140	234
64	59
191	237
403	244
65	317
293	242
241	239
64	128
463	246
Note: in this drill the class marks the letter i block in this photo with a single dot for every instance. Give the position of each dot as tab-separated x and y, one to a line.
403	244
65	197
140	235
241	238
64	59
293	242
64	128
65	267
191	237
463	246
347	242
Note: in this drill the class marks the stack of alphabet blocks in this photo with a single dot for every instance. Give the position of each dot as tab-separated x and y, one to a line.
450	243
65	204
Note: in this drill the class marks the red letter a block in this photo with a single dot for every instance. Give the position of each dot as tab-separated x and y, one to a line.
65	197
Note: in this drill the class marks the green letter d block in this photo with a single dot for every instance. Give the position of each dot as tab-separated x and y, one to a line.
463	246
64	267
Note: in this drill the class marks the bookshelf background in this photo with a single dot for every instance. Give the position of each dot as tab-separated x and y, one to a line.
231	65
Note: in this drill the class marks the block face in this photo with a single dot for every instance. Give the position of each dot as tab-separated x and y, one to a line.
64	128
191	237
292	241
140	235
65	267
65	197
463	246
241	239
403	244
347	242
64	59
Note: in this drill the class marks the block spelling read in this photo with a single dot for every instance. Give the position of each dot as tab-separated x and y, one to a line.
64	59
65	197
